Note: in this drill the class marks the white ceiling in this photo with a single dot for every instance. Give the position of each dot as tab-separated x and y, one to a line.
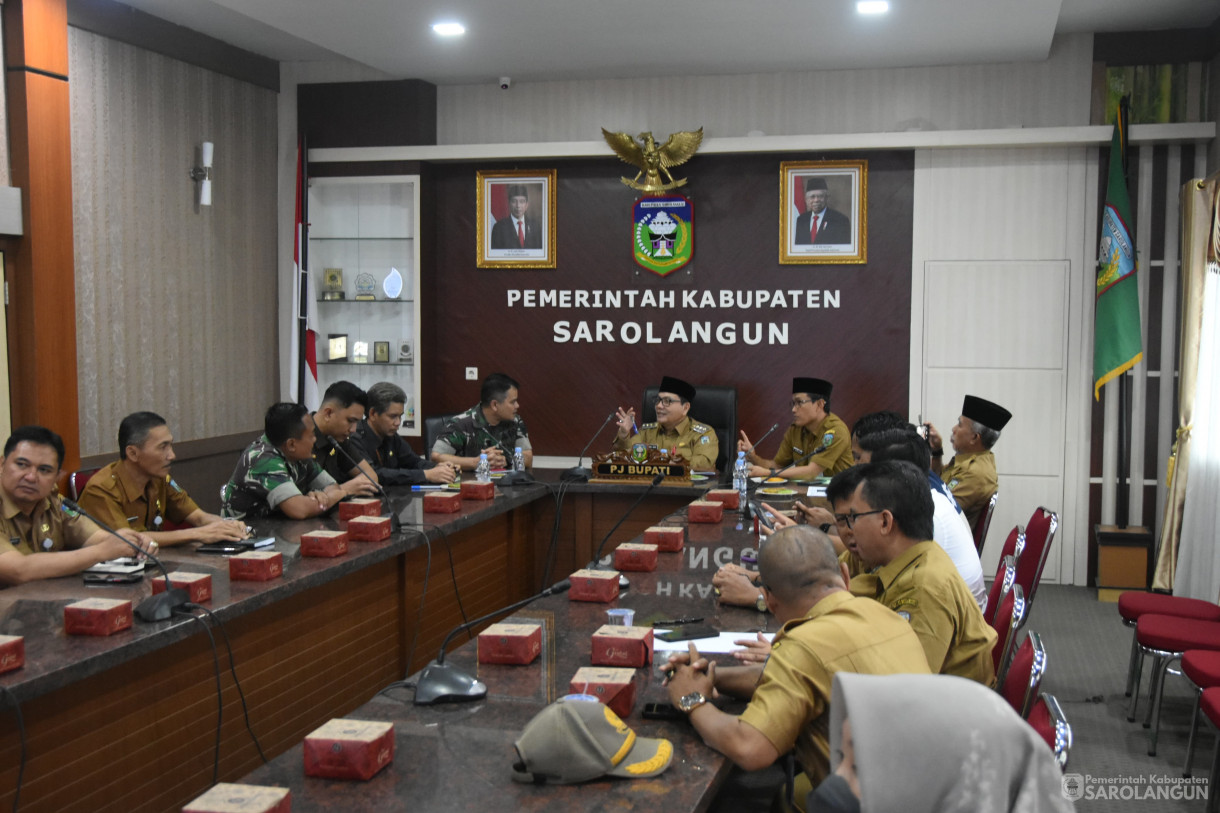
540	40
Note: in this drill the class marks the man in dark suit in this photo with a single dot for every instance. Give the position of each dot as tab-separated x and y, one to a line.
832	227
516	230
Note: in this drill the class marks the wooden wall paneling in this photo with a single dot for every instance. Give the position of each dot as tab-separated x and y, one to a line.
567	388
42	332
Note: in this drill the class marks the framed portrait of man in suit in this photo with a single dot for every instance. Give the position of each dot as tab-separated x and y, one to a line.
823	212
516	219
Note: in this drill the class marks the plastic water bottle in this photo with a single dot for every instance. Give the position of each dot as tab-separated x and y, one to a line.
518	459
482	474
741	477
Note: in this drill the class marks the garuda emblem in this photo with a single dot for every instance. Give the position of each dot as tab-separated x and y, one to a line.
653	161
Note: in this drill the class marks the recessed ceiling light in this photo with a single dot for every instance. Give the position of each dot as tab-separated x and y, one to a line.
872	7
449	29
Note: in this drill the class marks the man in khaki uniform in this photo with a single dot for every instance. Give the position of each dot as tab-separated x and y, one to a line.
674	429
825	630
971	473
41	538
884	513
814	431
138	492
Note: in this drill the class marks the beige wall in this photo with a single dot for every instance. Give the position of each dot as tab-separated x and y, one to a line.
175	303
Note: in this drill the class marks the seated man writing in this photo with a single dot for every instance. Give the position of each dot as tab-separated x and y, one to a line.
42	538
674	430
136	491
278	472
825	630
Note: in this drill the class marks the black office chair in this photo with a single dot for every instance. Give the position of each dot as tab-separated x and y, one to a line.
432	430
714	406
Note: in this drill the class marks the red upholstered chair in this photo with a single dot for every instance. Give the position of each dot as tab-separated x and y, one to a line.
1009	619
1202	668
1047	719
1039	534
77	481
1166	638
1014	545
984	522
1025	673
1133	604
1005	578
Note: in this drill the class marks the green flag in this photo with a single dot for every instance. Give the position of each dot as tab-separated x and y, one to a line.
1116	328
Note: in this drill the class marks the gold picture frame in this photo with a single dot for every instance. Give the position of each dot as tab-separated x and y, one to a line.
532	243
842	235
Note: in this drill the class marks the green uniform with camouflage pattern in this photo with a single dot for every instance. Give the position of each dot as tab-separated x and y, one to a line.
468	434
264	478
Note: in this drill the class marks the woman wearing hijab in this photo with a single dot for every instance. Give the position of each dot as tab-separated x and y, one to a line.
932	744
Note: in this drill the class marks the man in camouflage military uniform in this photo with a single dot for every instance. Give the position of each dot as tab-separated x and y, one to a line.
491	427
815	431
674	430
277	472
971	473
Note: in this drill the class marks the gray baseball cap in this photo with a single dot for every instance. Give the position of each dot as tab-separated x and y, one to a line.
574	741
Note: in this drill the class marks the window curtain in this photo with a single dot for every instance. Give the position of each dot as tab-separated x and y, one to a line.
1189	553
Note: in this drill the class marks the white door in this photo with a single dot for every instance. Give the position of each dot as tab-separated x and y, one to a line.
1002	334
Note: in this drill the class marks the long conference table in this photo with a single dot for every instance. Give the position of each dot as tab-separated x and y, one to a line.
128	722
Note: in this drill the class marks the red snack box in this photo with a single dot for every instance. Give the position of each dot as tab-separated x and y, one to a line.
478	491
614	687
622	646
517	644
349	749
728	497
198	586
324	543
667	538
442	503
97	616
368	529
705	511
256	566
227	797
634	556
593	585
12	652
360	507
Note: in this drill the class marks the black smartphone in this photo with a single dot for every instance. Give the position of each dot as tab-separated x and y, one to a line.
764	516
662	711
112	578
223	548
689	632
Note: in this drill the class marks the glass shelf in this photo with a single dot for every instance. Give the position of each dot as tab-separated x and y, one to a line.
363	301
371	363
326	239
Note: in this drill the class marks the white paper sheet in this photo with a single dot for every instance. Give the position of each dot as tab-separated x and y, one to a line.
721	644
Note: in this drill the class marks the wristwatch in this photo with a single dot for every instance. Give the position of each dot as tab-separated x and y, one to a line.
760	603
692	701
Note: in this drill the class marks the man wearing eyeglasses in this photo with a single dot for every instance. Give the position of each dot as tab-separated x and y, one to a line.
825	630
884	512
674	430
816	433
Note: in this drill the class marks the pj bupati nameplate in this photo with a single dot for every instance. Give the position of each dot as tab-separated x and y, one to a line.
640	463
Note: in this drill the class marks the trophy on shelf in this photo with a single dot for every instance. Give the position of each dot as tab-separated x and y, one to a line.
381	352
405	355
332	284
360	352
392	284
366	285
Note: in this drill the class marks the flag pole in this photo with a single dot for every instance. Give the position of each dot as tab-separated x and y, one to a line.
302	247
1123	503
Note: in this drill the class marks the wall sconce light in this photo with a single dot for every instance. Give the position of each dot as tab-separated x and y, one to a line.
203	174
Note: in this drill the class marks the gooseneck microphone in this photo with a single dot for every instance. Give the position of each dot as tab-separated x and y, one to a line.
355	464
760	440
578	473
747	509
597	557
443	683
159	607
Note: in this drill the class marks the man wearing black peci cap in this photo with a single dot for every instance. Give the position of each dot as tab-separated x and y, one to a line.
815	430
971	473
820	224
674	429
